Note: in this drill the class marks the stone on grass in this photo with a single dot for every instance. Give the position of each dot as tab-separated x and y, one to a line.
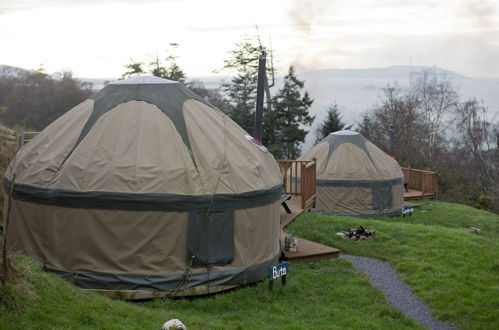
173	324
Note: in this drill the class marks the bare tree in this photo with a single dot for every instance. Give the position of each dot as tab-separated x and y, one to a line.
398	114
477	143
438	101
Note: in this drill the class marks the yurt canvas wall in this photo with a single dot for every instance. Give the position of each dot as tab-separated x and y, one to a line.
146	189
355	177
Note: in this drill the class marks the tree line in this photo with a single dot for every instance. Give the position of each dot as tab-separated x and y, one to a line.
432	128
33	100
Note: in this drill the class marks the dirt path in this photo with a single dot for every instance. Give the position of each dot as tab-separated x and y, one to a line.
384	277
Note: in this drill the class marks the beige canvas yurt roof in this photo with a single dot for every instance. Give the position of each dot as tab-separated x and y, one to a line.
355	177
132	187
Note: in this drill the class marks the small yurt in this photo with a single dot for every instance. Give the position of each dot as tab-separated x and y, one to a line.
355	177
146	190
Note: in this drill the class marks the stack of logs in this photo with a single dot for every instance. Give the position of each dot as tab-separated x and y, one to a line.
357	234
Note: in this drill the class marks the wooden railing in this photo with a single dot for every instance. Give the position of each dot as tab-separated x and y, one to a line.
25	137
299	178
7	134
424	181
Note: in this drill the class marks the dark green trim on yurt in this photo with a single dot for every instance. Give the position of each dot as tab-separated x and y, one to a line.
168	282
103	200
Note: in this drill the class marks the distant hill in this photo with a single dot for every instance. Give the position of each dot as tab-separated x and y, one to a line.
7	70
392	72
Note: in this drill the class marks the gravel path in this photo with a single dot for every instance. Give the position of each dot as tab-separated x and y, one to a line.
384	276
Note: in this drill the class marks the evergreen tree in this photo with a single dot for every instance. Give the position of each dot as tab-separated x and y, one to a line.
332	123
133	69
174	72
157	67
290	116
241	90
242	97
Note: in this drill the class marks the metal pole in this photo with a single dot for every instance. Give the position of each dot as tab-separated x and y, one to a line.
260	90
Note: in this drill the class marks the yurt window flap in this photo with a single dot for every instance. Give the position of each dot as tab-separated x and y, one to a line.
210	238
382	197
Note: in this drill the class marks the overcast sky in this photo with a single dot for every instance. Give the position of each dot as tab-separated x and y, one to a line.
95	38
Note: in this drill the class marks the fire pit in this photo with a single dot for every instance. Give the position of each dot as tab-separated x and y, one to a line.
357	234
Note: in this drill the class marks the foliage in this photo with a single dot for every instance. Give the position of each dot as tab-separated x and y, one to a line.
241	90
454	271
34	100
157	67
420	118
18	290
437	102
317	295
133	69
290	115
398	112
332	123
476	146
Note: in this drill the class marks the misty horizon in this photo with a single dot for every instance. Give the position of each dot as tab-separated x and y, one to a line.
96	39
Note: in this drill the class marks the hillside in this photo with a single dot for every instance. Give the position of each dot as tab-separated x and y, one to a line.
454	271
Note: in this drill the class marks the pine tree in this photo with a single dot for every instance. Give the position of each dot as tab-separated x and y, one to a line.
290	116
174	71
241	90
133	68
157	68
332	123
242	97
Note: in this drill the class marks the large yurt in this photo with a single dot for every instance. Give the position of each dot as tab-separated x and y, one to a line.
355	177
146	190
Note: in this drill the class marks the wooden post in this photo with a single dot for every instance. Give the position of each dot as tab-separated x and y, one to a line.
303	187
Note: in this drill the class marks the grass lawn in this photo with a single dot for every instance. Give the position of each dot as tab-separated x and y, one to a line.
325	295
455	272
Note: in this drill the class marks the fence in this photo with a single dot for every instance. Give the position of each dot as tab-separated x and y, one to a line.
10	136
299	178
424	181
7	134
25	137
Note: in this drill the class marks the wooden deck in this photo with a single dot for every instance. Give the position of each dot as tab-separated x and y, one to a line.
418	194
421	184
308	251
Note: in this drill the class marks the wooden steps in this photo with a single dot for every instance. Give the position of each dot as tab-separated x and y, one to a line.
307	251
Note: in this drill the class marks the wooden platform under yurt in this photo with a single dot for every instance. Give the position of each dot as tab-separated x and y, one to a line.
307	251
